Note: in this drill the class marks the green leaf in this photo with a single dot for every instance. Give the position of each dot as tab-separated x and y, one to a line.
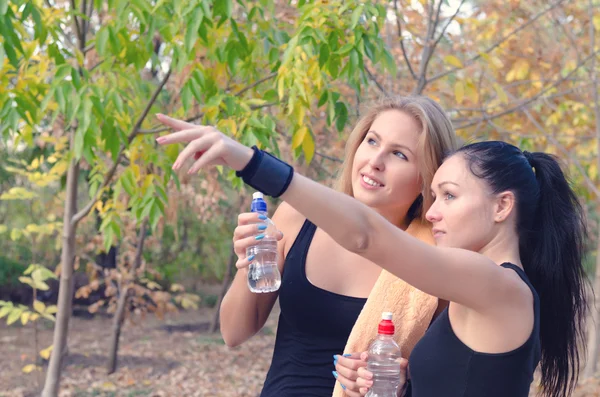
2	55
323	55
222	8
79	141
323	99
61	72
271	96
11	54
356	15
191	34
370	49
3	7
346	48
101	40
353	63
341	112
186	97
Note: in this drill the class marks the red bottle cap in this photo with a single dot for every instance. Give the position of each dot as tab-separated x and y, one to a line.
386	326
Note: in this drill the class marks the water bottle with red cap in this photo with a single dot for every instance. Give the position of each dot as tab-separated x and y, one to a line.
383	363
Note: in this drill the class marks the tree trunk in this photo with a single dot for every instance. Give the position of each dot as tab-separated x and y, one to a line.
65	291
593	337
122	303
118	322
214	325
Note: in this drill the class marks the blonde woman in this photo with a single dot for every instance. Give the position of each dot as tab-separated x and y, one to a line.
391	157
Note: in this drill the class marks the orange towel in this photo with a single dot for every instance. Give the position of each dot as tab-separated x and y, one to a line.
412	309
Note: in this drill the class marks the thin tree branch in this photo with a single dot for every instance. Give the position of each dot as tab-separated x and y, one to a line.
89	47
84	24
498	43
560	147
374	80
448	24
432	24
526	102
485	109
158	130
132	134
96	65
90	11
404	53
76	21
330	158
256	83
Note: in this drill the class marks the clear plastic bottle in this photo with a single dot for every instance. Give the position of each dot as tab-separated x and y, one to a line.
382	362
263	274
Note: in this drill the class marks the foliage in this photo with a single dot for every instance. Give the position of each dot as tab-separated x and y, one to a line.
35	276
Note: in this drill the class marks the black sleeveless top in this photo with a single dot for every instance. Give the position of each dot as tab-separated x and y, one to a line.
314	324
441	365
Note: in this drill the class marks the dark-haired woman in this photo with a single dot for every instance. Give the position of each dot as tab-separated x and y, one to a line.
509	233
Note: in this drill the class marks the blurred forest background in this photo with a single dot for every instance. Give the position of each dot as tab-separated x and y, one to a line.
144	255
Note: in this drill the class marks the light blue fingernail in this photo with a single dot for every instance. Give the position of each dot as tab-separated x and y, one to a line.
262	227
343	387
335	362
259	237
250	258
262	217
334	374
347	355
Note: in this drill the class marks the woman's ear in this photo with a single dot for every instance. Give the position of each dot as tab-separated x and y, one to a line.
505	203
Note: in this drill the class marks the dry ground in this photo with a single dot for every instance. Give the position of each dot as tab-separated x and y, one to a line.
171	358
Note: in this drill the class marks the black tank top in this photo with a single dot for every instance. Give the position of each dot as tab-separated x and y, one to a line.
441	365
314	324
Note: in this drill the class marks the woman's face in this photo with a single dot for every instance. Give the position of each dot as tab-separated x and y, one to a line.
385	175
463	213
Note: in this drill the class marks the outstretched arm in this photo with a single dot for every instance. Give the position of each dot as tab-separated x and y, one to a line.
457	275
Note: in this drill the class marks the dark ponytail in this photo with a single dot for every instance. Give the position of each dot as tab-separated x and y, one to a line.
552	254
552	232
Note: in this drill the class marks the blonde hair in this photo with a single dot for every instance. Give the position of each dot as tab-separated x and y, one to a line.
436	140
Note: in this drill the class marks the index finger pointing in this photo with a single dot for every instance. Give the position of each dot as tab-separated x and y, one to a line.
184	136
175	124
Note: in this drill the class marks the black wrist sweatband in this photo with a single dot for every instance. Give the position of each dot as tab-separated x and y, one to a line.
266	173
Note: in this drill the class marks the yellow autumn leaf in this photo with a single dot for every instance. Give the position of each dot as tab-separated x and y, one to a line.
593	171
25	317
280	87
459	91
39	306
471	91
308	147
298	137
501	93
29	368
52	309
510	76
454	61
45	354
521	68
